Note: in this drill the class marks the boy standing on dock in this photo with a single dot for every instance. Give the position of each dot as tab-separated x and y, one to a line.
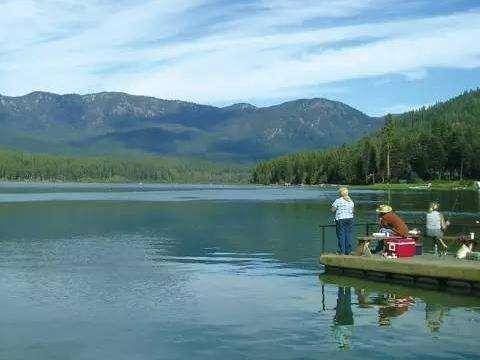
343	209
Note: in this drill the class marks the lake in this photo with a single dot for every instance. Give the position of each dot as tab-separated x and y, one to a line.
188	271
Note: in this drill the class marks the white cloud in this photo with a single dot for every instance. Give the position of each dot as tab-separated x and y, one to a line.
151	48
268	15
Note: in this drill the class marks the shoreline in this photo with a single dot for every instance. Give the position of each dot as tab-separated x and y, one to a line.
434	185
454	185
130	183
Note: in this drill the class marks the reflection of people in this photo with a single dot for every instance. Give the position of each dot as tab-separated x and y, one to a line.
343	320
396	308
343	209
390	221
436	225
362	298
434	317
391	306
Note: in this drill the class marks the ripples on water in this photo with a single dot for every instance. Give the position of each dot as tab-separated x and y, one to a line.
179	272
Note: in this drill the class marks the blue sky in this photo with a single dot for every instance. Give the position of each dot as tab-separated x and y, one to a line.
376	55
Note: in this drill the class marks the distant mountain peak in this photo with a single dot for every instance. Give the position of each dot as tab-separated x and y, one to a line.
240	107
40	94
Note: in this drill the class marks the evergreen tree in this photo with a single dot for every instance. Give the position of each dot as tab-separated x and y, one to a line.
433	143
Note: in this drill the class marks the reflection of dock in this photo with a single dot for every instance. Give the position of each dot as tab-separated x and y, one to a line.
392	301
424	270
428	296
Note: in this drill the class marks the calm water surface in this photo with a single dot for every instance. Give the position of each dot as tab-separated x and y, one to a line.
180	272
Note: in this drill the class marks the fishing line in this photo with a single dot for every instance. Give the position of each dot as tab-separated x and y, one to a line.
455	202
324	193
330	202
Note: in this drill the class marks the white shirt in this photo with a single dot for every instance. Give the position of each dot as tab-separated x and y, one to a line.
344	209
434	220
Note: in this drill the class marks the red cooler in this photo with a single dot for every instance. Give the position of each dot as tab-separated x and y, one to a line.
400	246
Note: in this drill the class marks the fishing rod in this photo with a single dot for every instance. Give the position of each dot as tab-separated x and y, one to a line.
454	206
455	202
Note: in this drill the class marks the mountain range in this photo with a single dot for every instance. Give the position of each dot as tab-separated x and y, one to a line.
119	123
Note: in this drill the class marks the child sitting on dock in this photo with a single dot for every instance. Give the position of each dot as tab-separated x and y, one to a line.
436	226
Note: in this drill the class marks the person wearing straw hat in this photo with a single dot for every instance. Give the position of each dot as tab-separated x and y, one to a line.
343	209
390	221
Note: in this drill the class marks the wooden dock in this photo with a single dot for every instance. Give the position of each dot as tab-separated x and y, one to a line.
424	269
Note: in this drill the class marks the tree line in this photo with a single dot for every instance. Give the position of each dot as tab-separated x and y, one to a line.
21	166
440	142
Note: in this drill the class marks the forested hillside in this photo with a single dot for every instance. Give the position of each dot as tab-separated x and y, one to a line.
19	166
439	142
122	124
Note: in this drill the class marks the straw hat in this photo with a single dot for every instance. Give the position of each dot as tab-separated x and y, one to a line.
383	209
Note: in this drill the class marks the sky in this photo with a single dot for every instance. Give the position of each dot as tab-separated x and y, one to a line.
378	56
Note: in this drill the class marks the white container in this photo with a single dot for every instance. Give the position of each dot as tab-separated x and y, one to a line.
463	251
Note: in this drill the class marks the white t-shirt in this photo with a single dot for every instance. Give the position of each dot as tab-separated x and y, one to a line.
434	220
344	209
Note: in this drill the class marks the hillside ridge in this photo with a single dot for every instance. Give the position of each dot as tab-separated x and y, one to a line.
116	122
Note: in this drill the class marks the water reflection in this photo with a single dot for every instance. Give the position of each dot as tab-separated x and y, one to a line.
389	306
343	320
434	314
207	279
